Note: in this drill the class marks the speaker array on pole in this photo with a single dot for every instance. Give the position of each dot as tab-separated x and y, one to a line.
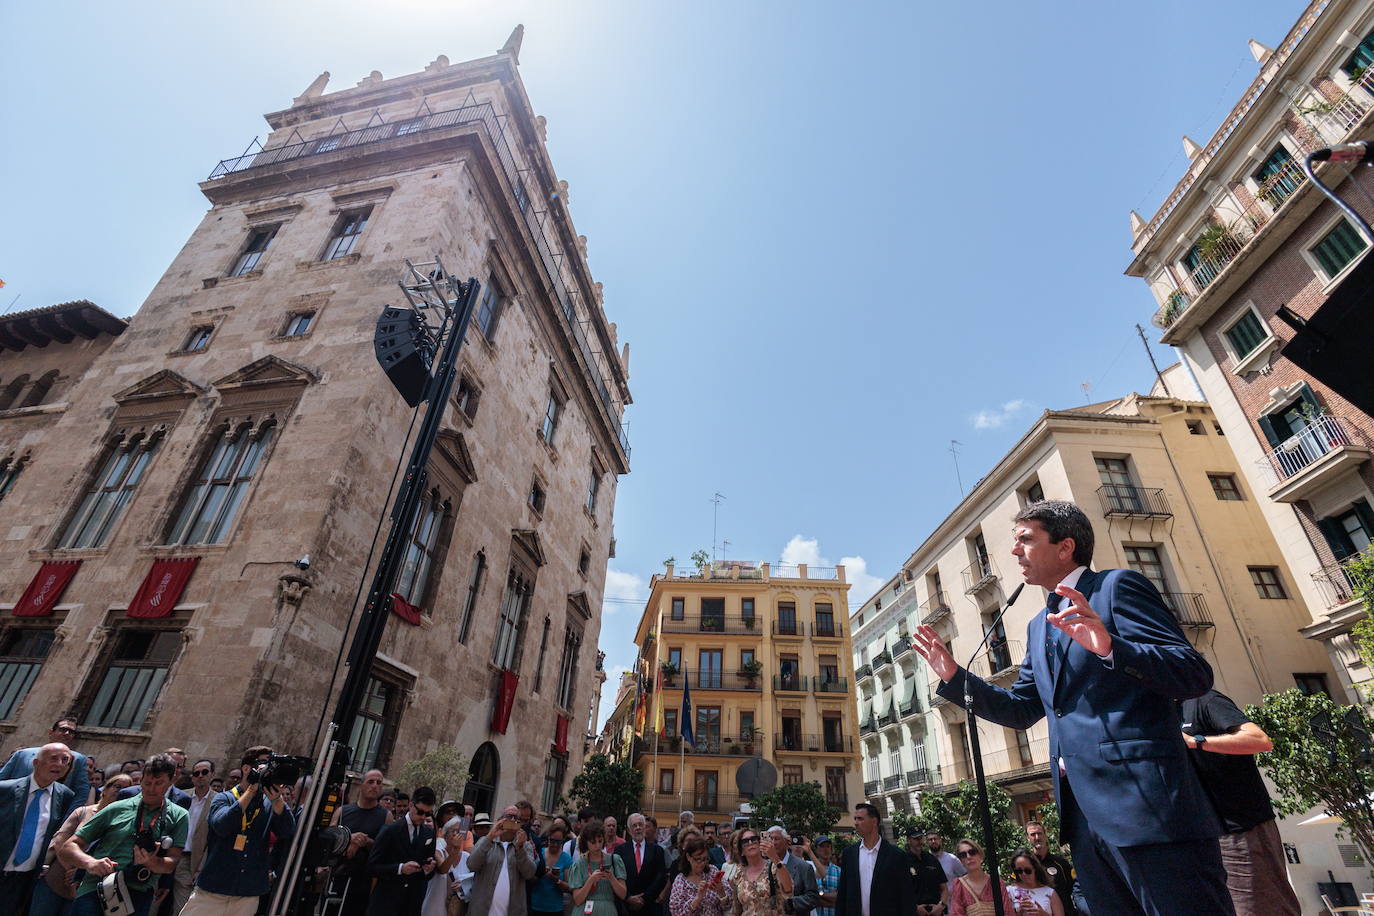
403	351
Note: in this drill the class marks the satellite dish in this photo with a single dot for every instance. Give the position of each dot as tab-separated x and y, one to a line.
756	776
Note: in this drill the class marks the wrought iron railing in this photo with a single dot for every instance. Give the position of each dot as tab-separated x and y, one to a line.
871	787
793	682
815	744
863	671
978	575
788	628
1323	435
471	113
921	776
998	659
1188	608
868	726
895	781
1123	500
1335	584
934	609
935	698
830	685
827	631
909	707
712	679
887	718
710	623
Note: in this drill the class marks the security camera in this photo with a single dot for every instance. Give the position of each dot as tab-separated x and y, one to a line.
303	563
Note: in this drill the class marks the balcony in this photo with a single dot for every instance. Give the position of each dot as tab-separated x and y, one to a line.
827	631
814	744
788	628
1336	585
712	679
789	683
882	660
863	671
936	700
903	646
833	685
871	787
1189	609
934	609
1122	501
979	575
998	660
689	800
888	718
711	623
895	781
921	776
1326	449
868	726
909	707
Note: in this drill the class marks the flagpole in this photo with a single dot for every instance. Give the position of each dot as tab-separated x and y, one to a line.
653	767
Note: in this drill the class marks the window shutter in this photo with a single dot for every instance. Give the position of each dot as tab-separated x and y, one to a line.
1366	516
1267	425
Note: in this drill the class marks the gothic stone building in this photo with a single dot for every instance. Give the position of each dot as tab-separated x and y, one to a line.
158	480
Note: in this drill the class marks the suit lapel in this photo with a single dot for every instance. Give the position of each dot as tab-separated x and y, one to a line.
1063	645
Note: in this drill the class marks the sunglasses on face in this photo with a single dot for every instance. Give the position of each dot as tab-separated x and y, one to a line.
749	841
1025	871
200	772
965	853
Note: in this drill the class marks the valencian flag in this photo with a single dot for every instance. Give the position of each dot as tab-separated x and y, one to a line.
658	704
641	706
685	726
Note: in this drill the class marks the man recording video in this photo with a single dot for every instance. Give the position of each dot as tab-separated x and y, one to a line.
142	837
238	853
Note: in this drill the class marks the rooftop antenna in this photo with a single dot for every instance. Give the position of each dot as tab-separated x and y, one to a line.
715	517
725	549
954	445
1159	375
1087	391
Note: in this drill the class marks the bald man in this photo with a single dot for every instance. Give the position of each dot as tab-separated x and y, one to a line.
31	809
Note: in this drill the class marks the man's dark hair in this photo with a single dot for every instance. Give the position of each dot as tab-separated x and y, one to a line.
1030	824
137	763
251	755
401	796
159	765
709	824
1062	519
872	811
203	760
71	719
587	814
423	795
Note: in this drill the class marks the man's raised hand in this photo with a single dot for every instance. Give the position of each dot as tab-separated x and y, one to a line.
930	647
1081	622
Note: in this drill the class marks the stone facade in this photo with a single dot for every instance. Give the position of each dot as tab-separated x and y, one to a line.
258	341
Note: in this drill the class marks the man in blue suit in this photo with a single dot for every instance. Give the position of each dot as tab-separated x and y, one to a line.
63	731
32	807
1105	663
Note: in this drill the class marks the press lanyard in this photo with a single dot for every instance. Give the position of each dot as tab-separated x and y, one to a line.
157	819
247	820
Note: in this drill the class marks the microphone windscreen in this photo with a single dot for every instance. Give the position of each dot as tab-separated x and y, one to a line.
1016	594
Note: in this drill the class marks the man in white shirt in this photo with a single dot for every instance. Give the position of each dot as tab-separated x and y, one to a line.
875	876
31	809
197	827
501	863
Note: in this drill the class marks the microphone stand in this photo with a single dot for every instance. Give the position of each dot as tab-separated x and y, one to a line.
984	806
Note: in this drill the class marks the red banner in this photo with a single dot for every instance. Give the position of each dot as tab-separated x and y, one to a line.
46	588
405	610
505	702
560	735
162	587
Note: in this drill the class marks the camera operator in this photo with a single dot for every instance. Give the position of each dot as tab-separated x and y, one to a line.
142	836
238	849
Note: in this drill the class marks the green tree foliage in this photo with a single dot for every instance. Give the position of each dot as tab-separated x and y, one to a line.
900	822
956	817
1360	571
607	787
800	807
443	769
1321	759
700	558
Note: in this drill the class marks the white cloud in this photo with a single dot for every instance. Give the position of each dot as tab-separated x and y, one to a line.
623	589
608	692
802	550
992	418
862	585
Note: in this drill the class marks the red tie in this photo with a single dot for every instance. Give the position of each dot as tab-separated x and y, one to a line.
639	856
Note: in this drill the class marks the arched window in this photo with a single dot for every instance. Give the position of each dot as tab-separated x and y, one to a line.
39	392
483	777
10	393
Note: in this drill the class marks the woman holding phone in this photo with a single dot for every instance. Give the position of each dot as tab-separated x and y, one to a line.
760	885
699	889
546	893
598	877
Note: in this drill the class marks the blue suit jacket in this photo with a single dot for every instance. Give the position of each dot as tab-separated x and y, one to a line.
78	780
1117	728
14	797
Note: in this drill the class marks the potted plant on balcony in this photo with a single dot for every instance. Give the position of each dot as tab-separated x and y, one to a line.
749	622
734	749
669	670
748	737
751	670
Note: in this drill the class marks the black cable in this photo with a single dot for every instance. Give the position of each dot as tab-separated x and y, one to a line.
362	580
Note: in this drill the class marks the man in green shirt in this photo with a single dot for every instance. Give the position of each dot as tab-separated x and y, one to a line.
110	834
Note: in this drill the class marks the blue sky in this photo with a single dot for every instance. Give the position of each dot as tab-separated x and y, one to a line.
836	236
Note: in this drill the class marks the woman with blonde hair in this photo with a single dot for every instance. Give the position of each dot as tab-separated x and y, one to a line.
971	894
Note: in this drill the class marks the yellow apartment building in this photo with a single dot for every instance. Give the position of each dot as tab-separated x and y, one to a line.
763	652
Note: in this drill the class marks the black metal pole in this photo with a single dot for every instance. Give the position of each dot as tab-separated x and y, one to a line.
984	806
378	607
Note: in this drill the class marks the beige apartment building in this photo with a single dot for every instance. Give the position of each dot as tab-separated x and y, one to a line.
1244	240
763	650
1167	498
160	479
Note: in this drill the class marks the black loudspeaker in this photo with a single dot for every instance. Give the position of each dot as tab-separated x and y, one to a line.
403	352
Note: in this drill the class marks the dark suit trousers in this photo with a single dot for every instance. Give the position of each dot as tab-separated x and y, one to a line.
1161	879
15	889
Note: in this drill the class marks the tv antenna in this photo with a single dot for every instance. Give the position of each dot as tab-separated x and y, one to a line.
715	517
954	446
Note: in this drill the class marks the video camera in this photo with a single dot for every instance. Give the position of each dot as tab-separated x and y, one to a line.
278	770
113	890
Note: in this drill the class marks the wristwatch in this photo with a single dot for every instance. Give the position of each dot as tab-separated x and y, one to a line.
1199	741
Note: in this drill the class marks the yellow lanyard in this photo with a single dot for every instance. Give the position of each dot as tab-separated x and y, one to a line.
247	821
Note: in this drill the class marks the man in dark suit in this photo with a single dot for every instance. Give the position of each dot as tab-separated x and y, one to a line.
806	892
1106	668
875	876
32	807
646	869
402	859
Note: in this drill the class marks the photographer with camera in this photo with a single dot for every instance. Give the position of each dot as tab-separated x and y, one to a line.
237	866
139	839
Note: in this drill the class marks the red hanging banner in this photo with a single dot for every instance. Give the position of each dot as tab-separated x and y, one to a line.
560	735
405	610
162	587
46	588
505	702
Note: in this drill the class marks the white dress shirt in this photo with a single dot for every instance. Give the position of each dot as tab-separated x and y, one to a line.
868	860
500	895
199	808
39	847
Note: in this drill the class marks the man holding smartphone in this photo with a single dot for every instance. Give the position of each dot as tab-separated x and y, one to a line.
501	863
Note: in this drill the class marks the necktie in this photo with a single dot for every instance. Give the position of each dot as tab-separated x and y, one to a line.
29	832
639	856
1051	649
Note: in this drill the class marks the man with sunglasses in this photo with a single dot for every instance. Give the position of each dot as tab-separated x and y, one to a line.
402	859
63	731
197	835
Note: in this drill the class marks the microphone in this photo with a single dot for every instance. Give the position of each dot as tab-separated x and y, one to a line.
1360	152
